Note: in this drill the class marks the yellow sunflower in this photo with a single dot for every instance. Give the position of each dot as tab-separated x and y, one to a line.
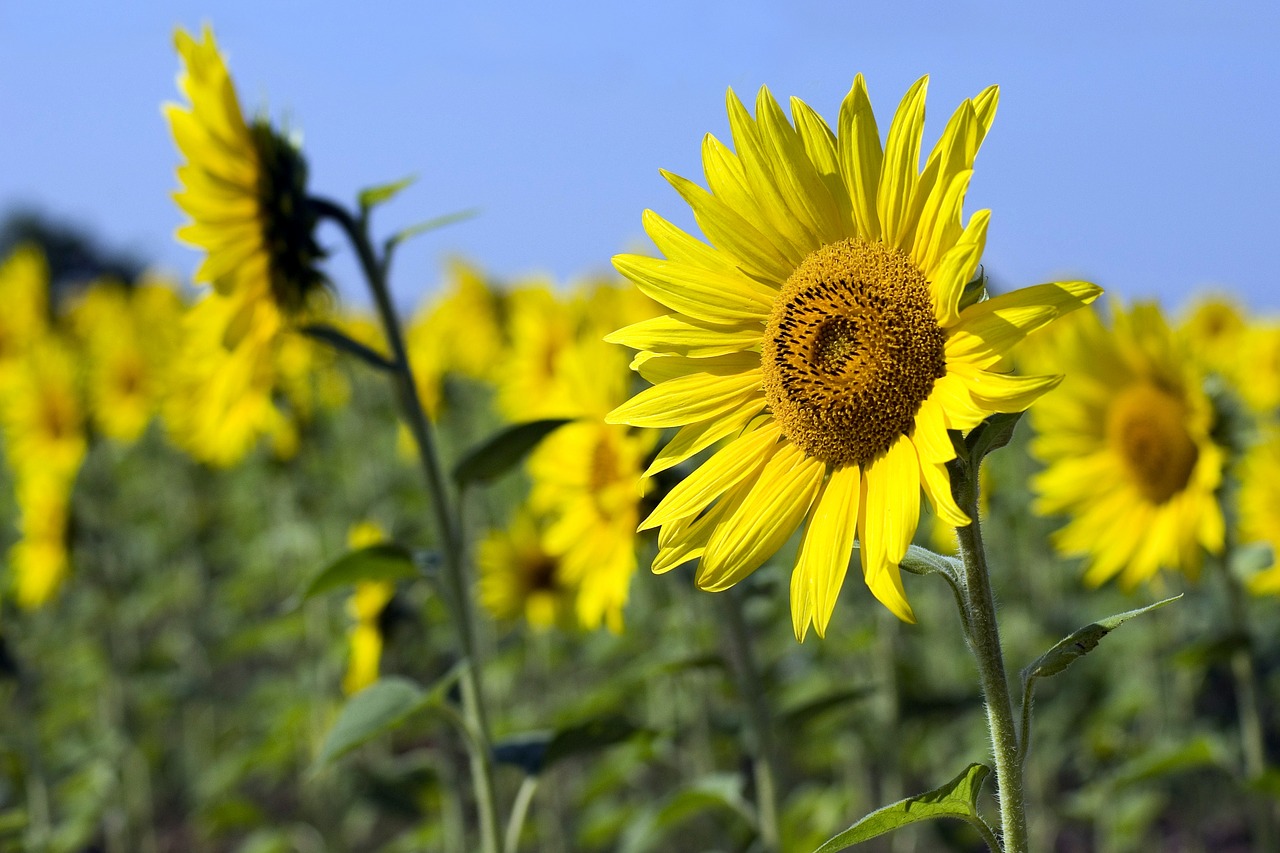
365	609
39	560
245	188
521	579
24	292
821	328
1260	506
1256	367
123	383
1127	450
1213	327
586	479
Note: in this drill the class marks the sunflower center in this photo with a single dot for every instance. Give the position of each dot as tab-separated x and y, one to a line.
1147	425
540	574
851	351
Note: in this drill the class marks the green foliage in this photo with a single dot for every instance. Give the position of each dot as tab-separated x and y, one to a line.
386	561
378	709
373	196
1080	643
501	452
956	799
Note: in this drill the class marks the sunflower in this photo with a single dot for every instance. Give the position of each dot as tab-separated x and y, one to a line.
244	187
1260	506
821	329
585	481
521	579
1127	449
24	291
1213	327
365	609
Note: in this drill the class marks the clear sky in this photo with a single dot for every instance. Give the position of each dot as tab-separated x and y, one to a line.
1135	145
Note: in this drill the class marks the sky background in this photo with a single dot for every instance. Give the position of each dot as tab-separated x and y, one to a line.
1135	144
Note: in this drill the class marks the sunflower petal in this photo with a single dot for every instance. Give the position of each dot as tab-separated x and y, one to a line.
729	466
986	332
773	509
901	171
861	157
887	520
825	551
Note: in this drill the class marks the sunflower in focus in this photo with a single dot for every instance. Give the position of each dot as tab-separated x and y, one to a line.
820	330
1127	449
244	186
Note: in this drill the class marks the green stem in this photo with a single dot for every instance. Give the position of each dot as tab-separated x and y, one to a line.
444	505
759	721
518	812
1252	746
983	635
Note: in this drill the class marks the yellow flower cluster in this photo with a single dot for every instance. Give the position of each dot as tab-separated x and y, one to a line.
569	557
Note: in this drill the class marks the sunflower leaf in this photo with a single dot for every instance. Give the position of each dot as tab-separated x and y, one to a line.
535	752
956	799
503	451
373	196
430	225
1080	643
380	707
992	434
383	562
718	792
337	339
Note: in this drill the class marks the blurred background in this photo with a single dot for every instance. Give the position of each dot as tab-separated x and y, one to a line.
1135	144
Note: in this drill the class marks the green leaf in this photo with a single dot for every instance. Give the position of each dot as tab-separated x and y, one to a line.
975	291
957	799
1199	753
1080	643
502	452
719	791
340	341
380	707
385	562
990	435
430	225
374	196
535	752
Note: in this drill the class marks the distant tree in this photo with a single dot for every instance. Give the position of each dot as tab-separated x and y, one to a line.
75	256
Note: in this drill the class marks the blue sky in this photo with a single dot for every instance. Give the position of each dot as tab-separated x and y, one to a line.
1136	144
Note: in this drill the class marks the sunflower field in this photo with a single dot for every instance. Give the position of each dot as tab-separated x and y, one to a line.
785	538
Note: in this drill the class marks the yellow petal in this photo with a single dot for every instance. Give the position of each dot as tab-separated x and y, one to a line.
733	463
694	438
888	517
699	293
768	515
901	170
860	158
825	551
688	400
987	331
675	334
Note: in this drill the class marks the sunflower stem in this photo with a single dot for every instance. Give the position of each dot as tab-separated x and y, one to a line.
1252	744
759	720
443	505
983	634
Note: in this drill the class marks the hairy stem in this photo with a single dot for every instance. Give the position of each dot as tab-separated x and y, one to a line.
983	635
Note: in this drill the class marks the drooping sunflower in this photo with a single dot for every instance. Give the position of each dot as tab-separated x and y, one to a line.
1127	447
820	327
244	185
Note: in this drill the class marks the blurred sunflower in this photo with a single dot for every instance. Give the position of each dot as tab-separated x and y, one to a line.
122	382
1213	327
244	187
24	292
1127	449
365	609
821	324
39	560
1260	506
521	579
586	479
542	327
43	412
1256	367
